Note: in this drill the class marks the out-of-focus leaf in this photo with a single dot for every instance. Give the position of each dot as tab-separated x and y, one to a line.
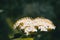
23	39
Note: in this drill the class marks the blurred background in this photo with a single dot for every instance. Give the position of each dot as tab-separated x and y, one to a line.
12	10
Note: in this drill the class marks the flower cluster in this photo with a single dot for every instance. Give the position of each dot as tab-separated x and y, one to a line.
32	25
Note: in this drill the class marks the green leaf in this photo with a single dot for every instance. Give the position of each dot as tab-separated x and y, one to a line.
23	39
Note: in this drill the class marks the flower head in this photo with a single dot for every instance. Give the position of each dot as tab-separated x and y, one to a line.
31	25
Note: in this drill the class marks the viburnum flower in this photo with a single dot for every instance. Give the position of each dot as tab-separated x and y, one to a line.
28	24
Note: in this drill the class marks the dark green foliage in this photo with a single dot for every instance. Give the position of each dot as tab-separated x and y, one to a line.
15	9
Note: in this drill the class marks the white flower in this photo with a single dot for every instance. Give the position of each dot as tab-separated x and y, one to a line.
31	25
30	29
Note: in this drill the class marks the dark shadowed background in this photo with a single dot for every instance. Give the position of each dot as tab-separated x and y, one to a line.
15	9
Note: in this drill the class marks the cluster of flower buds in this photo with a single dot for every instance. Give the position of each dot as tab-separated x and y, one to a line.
29	25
